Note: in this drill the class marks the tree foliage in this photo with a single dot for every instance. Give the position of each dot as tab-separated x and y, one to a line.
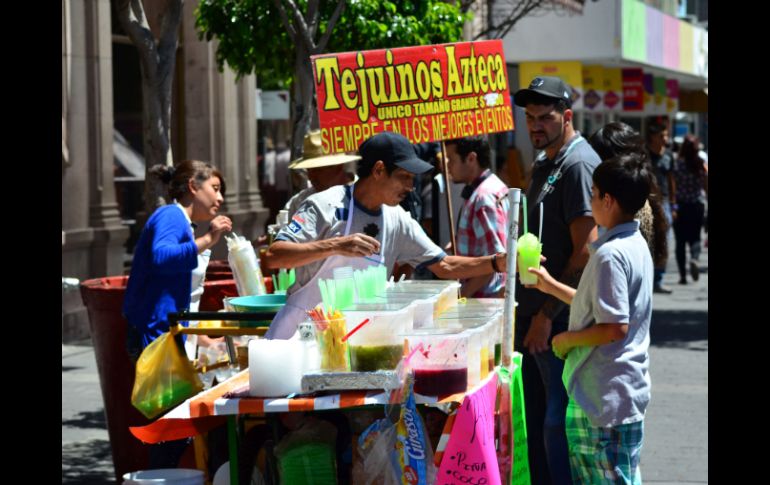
253	39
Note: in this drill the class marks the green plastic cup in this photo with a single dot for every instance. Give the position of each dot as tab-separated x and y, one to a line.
529	249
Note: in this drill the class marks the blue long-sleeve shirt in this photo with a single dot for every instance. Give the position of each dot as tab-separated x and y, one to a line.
161	273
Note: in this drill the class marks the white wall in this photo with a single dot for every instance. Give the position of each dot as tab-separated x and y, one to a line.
566	36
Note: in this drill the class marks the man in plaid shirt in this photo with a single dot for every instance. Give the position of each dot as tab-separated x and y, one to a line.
482	224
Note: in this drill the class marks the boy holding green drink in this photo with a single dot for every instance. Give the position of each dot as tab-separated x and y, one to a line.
606	346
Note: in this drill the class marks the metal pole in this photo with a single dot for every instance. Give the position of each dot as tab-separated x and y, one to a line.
514	196
448	200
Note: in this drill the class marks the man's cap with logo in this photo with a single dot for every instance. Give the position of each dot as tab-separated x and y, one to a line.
392	147
313	155
549	86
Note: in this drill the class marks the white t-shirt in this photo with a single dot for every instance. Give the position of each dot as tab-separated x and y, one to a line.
324	215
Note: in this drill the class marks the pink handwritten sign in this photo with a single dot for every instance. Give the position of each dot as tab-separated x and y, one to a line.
470	457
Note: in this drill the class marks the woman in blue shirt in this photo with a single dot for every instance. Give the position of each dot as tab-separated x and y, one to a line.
164	260
167	251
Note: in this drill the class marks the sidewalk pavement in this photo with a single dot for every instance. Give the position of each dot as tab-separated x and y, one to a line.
85	447
676	426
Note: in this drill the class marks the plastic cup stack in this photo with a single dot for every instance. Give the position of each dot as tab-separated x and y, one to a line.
344	285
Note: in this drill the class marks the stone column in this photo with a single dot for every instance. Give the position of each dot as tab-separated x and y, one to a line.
220	123
93	238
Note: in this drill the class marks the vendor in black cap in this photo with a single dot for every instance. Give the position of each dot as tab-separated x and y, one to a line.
561	180
359	226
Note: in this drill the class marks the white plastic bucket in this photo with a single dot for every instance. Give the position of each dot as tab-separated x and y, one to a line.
169	476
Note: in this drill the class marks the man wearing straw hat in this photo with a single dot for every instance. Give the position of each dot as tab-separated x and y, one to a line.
359	226
323	171
561	180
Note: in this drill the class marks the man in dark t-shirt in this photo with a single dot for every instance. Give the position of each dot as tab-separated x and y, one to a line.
561	180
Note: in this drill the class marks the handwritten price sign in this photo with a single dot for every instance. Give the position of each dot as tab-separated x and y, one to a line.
470	456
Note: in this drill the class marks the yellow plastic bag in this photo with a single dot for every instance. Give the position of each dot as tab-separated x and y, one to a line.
164	377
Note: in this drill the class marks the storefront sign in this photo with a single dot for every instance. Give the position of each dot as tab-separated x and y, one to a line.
593	85
672	95
426	93
659	86
649	94
633	89
571	72
272	105
613	87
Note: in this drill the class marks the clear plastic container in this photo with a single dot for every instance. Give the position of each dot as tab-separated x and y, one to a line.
423	307
441	366
489	335
379	344
412	293
449	291
461	322
462	312
475	316
498	303
476	348
332	351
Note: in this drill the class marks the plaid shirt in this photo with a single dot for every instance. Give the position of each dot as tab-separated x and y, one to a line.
482	225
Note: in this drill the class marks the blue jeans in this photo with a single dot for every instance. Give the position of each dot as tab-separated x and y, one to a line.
661	270
551	429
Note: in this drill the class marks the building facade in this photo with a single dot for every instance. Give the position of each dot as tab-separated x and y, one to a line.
213	119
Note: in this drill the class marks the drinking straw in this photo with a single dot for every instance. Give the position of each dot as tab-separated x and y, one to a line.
540	226
409	357
325	295
354	330
524	205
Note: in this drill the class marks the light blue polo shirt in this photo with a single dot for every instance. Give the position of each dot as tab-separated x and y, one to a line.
611	382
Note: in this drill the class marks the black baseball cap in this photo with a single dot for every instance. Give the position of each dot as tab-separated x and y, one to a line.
549	86
394	148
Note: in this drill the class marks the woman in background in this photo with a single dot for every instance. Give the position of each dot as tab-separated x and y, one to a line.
691	177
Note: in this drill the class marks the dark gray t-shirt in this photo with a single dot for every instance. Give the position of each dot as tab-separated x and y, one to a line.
324	215
569	197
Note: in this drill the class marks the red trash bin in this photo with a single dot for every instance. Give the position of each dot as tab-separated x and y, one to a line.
214	292
103	297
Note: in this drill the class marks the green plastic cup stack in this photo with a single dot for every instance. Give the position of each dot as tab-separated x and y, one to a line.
345	286
280	281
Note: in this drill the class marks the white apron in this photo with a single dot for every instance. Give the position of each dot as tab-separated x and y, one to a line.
285	323
198	276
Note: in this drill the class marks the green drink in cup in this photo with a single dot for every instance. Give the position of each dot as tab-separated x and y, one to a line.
529	249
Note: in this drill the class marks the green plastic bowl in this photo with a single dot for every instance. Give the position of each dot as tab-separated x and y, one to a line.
257	303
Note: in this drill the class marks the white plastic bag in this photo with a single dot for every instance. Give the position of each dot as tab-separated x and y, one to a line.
245	265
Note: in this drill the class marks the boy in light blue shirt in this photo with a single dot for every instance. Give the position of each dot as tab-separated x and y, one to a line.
606	346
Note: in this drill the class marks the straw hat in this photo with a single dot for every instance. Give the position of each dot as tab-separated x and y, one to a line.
313	156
